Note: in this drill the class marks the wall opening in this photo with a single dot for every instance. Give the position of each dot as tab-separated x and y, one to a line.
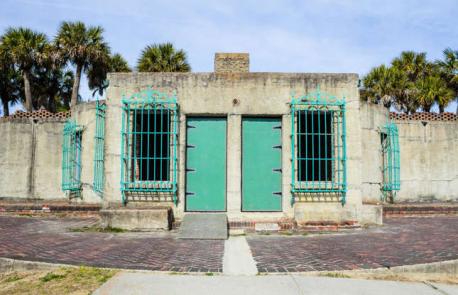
149	146
314	146
318	149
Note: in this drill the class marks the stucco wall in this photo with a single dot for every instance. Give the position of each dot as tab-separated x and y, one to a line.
30	159
256	94
429	160
373	117
84	115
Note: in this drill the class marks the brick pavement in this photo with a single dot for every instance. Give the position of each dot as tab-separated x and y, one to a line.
49	240
401	241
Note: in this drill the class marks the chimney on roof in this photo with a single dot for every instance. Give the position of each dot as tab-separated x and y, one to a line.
232	62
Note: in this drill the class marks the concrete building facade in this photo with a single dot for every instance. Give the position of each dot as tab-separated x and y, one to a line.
232	144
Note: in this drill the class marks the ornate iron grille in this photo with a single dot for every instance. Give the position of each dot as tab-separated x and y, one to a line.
99	147
71	157
391	161
149	144
318	146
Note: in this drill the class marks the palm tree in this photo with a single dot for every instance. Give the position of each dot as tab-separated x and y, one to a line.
414	64
82	46
433	89
118	64
378	86
97	72
10	84
449	71
26	48
47	79
163	58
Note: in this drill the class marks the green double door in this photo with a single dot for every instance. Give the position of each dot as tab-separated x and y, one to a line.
261	164
206	164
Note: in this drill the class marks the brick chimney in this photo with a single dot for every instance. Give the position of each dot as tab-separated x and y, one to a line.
232	62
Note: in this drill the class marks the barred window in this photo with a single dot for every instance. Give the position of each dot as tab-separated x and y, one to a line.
318	145
149	144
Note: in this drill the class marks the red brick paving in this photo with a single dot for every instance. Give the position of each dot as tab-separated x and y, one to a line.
401	241
49	240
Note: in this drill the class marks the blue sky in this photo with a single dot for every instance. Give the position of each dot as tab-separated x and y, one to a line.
281	36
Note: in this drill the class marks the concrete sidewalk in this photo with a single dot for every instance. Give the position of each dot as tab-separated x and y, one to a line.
151	283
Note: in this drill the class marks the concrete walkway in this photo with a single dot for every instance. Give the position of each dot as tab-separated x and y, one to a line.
150	283
237	259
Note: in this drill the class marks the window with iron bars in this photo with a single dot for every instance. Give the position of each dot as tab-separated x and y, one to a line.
318	146
149	144
391	169
71	158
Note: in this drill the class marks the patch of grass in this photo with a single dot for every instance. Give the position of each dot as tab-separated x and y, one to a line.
65	280
13	277
176	273
399	277
52	276
209	274
98	229
265	233
335	275
304	234
238	235
286	233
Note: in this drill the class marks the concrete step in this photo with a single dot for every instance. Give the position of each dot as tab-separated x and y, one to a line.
420	209
159	218
204	226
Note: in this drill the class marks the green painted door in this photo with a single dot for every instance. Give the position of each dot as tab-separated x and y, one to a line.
206	164
261	164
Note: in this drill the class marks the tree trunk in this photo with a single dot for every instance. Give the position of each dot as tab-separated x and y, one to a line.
6	108
427	108
52	103
27	92
441	109
76	85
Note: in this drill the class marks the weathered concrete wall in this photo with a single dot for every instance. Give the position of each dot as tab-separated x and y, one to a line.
234	95
15	159
30	159
373	117
84	115
429	165
429	161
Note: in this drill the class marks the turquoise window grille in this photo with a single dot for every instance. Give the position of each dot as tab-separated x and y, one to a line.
71	158
149	144
99	148
391	168
318	150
